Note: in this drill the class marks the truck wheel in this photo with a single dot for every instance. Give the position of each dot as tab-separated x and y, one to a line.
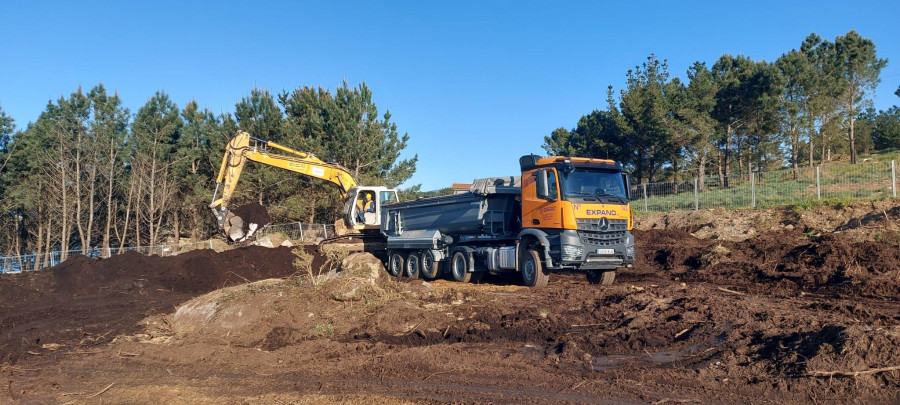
533	273
396	264
413	265
430	267
601	277
459	267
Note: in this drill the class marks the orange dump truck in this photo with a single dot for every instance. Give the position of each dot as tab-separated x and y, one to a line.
562	213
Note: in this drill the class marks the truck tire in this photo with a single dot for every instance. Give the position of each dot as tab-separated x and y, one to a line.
605	277
533	272
396	264
413	265
459	267
430	267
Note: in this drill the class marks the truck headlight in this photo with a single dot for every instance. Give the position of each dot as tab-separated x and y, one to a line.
629	251
572	252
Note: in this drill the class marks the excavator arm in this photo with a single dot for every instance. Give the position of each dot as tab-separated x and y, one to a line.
243	147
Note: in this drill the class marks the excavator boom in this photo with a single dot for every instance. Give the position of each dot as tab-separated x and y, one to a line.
243	147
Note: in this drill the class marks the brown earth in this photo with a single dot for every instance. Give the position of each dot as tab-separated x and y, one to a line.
253	213
786	315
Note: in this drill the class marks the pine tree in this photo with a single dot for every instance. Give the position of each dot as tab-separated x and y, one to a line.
857	68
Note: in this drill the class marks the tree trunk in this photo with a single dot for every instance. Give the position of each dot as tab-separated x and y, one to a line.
109	195
18	242
79	194
822	156
195	225
177	227
39	246
795	150
137	217
701	173
65	231
127	216
48	260
91	204
259	188
151	211
811	148
719	167
851	134
727	155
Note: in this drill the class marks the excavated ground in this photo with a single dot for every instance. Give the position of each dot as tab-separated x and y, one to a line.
800	311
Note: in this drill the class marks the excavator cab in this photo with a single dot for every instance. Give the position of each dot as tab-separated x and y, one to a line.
363	206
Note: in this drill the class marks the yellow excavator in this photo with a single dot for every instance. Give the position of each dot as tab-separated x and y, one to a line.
362	204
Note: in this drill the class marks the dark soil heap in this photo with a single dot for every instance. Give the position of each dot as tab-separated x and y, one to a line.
252	213
783	263
90	301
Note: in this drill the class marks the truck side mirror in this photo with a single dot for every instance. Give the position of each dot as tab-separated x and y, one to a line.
626	180
543	191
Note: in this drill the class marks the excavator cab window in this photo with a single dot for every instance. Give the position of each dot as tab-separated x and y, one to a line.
388	197
366	208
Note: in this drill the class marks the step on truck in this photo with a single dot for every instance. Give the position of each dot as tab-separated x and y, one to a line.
562	213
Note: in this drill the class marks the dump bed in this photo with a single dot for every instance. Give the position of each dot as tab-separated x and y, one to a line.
489	208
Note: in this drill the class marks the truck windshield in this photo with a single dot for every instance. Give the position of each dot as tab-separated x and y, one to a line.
593	184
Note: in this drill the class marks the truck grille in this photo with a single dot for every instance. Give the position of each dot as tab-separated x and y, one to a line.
602	238
594	225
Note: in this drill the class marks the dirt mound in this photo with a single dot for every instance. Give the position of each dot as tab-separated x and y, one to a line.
861	221
784	262
265	313
191	272
85	301
252	213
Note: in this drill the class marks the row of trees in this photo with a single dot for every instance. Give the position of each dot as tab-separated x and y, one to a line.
811	105
89	173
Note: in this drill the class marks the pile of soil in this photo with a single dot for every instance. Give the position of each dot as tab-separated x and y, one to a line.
85	301
860	221
782	262
252	213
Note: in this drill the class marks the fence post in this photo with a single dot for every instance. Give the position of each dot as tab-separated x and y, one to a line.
300	225
893	180
324	229
645	197
818	185
752	188
696	194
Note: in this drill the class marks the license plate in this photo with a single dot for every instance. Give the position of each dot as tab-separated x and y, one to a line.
605	251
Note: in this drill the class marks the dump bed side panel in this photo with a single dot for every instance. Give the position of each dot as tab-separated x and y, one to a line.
460	214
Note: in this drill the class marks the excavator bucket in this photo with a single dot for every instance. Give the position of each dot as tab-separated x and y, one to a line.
243	222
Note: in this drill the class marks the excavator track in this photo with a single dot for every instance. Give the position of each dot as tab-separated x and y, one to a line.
374	243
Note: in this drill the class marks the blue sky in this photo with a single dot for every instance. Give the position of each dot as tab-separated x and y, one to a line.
475	84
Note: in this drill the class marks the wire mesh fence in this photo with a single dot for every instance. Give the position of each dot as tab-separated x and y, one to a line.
301	232
868	180
295	231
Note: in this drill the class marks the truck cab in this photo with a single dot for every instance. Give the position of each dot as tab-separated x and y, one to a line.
575	212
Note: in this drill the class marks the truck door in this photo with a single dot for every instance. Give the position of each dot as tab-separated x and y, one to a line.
540	210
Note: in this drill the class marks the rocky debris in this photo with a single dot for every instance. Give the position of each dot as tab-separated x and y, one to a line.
274	240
